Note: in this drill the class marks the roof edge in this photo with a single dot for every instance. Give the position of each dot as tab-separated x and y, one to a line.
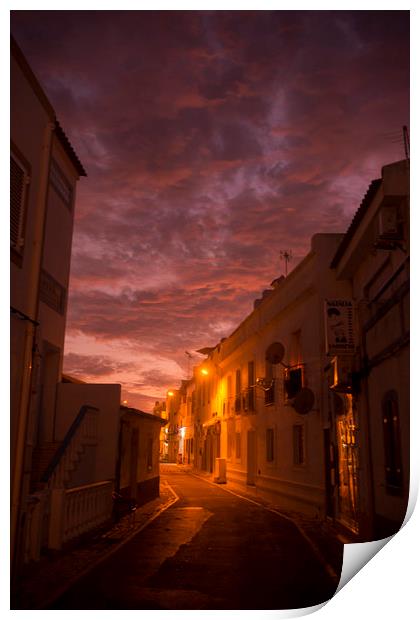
357	218
70	152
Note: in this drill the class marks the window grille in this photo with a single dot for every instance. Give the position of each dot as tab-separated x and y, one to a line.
18	183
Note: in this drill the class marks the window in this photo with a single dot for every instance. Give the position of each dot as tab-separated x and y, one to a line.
269	442
52	293
298	444
229	393
293	381
61	185
392	443
238	390
251	389
238	445
18	188
269	394
149	453
230	437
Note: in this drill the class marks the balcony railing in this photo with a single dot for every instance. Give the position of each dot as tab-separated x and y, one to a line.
79	510
270	393
248	400
82	432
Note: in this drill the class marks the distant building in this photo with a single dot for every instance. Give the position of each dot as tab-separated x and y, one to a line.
138	455
262	401
172	430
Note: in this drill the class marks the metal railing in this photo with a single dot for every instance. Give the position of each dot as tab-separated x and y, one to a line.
83	431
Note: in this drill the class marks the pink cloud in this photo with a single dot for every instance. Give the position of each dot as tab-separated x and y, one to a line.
212	140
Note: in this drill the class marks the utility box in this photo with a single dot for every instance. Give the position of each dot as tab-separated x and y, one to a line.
220	471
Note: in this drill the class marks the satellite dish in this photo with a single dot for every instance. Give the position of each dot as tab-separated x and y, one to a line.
304	401
275	353
205	350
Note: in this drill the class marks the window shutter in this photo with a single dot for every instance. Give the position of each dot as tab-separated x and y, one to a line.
18	182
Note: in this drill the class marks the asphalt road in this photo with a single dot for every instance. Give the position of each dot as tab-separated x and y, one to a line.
210	550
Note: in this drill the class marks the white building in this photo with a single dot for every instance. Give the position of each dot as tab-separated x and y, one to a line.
63	435
263	403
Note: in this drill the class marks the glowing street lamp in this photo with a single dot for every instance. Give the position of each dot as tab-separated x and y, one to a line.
170	393
204	371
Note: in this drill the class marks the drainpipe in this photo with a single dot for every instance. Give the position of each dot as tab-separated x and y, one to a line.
17	487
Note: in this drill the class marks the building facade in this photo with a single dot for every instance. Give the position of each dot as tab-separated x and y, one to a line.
374	257
262	401
307	401
138	455
64	434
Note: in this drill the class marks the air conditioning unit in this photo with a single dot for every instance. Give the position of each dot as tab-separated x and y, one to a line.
341	375
389	223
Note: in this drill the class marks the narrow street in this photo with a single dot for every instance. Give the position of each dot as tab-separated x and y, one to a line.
210	550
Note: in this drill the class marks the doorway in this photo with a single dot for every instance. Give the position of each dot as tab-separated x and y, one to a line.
347	465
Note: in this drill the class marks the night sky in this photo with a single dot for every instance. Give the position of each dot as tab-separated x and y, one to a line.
212	142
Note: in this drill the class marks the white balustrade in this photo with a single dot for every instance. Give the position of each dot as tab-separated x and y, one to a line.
86	507
86	434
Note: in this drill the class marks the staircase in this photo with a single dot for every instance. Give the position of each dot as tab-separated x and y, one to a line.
41	458
82	433
56	512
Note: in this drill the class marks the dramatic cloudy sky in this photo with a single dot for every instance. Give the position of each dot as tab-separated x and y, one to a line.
212	141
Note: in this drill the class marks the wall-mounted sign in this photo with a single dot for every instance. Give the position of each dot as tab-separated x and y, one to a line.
339	327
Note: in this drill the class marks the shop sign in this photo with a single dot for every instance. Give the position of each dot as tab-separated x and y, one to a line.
339	326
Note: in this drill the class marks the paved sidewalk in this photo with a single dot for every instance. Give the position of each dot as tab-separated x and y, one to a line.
47	579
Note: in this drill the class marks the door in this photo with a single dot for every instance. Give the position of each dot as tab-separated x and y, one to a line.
347	462
251	457
134	455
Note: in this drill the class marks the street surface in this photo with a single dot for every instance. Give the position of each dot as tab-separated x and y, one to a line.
210	550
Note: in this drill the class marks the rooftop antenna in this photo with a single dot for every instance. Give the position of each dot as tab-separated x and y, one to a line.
286	255
396	138
406	142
